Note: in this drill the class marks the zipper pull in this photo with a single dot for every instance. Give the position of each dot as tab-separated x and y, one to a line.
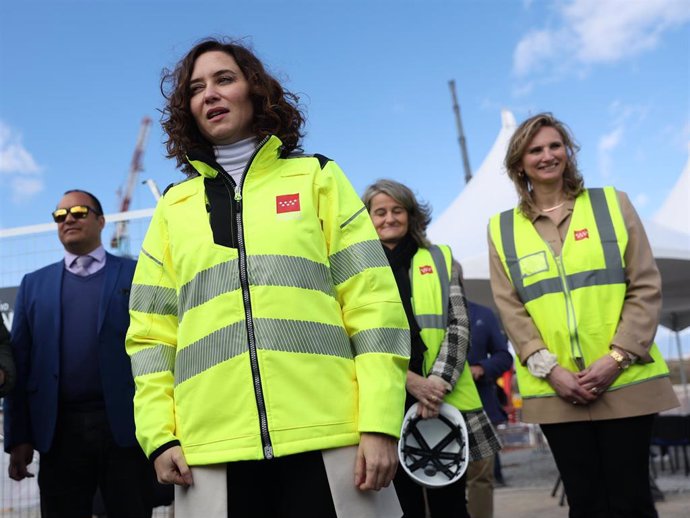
238	195
268	452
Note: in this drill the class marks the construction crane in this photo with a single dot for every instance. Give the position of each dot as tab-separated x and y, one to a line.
461	133
120	239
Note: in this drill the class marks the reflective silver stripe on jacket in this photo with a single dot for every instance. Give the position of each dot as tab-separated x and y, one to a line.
291	271
382	340
356	258
295	336
265	270
219	346
430	321
209	284
612	274
160	358
153	299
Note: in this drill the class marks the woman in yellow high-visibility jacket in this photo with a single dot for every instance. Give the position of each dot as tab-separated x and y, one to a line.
578	291
269	345
431	291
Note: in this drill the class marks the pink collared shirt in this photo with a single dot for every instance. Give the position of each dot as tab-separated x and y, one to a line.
98	262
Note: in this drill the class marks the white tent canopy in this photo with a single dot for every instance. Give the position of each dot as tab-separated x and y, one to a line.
671	224
674	213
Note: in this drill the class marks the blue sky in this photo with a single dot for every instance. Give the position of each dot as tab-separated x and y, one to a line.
78	76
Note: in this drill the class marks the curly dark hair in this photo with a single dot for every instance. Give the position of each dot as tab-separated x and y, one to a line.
276	110
573	183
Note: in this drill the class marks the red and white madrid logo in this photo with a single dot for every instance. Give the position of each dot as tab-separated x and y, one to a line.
426	269
581	234
287	203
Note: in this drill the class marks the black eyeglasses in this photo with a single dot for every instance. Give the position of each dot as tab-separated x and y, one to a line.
77	212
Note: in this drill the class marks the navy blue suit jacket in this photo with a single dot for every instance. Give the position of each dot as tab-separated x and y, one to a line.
488	348
31	410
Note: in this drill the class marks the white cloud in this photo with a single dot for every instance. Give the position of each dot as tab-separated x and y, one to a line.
18	166
24	188
607	144
641	200
598	31
534	49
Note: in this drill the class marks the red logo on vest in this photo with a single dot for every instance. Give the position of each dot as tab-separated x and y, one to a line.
581	234
287	203
424	270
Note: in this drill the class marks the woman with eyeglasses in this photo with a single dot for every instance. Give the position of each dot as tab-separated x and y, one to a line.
268	341
578	291
428	280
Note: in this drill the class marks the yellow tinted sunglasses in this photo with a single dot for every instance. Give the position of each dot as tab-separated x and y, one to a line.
77	212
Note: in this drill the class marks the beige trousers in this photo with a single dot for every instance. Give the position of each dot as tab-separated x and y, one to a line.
208	496
480	488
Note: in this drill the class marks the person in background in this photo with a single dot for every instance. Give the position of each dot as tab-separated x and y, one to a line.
8	372
73	397
578	293
489	358
268	342
438	370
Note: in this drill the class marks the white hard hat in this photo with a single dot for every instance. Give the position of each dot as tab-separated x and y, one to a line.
434	452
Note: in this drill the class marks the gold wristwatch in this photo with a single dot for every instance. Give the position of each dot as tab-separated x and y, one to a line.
621	359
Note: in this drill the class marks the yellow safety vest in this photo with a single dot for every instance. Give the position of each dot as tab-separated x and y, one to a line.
430	278
575	299
294	341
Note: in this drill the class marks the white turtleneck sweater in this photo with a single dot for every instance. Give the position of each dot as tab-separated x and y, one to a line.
234	157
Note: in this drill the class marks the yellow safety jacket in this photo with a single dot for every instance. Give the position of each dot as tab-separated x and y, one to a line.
430	278
295	340
575	299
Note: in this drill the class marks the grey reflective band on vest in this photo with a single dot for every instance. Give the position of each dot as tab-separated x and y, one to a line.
437	321
357	258
607	233
432	321
612	274
153	299
160	358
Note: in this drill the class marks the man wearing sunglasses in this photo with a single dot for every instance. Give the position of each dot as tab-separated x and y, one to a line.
73	396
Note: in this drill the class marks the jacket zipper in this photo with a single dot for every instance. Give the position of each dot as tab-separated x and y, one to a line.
249	319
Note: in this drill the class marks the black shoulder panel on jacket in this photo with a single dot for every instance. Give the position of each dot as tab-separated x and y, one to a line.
323	160
181	181
221	209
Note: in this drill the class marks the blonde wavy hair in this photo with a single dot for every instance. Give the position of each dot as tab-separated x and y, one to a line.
573	183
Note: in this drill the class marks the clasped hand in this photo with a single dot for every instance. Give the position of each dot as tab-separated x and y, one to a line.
429	393
584	387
